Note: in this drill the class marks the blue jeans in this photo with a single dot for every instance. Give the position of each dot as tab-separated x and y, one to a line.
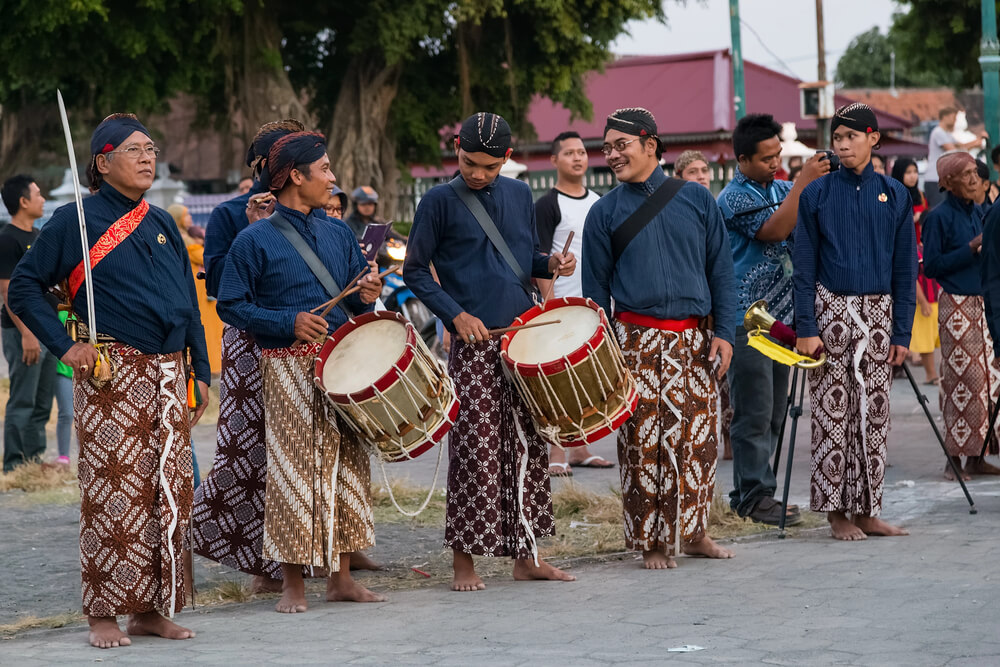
30	402
759	395
194	464
64	401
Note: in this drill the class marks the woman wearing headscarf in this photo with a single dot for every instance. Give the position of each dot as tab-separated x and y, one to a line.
924	339
970	375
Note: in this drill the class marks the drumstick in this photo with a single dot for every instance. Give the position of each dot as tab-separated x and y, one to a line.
552	283
532	325
328	306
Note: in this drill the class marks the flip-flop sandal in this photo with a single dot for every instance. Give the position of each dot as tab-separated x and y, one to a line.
594	462
770	513
560	470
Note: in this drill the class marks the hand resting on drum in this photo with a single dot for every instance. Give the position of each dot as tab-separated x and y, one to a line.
470	329
562	265
309	327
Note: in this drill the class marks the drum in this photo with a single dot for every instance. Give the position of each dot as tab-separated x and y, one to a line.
380	377
571	375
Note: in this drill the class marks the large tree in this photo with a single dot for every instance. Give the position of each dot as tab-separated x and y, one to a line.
940	39
867	63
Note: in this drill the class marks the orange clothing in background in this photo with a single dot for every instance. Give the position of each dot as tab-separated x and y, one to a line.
209	319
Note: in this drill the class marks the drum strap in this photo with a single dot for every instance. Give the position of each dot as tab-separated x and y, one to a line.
642	216
314	263
475	207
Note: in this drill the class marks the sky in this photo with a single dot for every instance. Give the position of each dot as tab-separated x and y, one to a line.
786	30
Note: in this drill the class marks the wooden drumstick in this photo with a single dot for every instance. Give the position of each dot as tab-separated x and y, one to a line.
531	325
552	283
329	305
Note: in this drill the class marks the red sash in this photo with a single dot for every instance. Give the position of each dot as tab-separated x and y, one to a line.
109	240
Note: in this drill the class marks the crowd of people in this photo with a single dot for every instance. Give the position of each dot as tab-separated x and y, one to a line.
843	253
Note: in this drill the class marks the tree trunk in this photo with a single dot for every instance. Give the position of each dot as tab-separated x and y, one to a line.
362	146
21	134
257	85
464	82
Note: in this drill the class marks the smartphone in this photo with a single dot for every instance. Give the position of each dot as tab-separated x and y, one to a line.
373	239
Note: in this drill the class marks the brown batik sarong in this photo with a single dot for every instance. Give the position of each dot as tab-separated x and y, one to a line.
667	450
970	374
228	515
499	500
135	484
318	499
849	399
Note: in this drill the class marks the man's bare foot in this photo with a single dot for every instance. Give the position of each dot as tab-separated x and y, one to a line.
706	548
465	579
977	465
843	529
657	560
872	525
340	587
153	623
949	474
265	585
293	590
360	561
105	633
526	570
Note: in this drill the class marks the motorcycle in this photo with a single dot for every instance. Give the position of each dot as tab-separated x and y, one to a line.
400	298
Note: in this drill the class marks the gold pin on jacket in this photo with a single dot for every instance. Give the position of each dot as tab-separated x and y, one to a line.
882	198
162	240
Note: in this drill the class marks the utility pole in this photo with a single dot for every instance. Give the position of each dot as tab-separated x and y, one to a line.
989	61
822	124
739	92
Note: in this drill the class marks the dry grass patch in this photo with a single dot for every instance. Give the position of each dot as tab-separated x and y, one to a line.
25	623
225	592
42	484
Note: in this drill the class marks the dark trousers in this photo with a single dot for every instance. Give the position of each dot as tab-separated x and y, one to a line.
759	393
30	403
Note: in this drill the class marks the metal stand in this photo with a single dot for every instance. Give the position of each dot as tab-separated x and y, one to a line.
989	429
955	469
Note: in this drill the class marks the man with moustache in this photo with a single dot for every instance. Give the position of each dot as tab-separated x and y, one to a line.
658	247
135	466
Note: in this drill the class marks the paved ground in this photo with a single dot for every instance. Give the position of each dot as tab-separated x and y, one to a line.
927	599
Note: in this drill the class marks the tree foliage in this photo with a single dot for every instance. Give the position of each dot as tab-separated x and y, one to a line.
867	63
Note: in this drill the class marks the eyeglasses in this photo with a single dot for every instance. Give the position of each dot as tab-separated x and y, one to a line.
135	152
619	146
335	211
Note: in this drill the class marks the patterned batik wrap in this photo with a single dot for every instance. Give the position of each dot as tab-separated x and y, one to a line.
970	375
136	484
849	399
228	515
318	499
499	499
667	450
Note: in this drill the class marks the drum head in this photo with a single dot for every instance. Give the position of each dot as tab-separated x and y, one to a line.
363	356
540	345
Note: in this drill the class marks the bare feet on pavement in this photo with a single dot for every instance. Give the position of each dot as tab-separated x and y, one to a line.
265	585
657	560
706	548
360	561
526	570
105	633
349	591
153	623
977	465
872	525
843	528
293	590
466	579
949	473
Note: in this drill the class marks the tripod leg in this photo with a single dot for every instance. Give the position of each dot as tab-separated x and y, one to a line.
989	429
923	403
781	431
796	412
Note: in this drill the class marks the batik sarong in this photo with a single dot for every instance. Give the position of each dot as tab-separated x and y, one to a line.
667	450
135	484
849	399
318	499
499	500
970	374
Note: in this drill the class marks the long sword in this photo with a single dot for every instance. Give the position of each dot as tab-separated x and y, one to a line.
88	282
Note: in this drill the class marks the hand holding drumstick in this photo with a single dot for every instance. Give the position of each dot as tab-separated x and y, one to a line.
560	264
260	206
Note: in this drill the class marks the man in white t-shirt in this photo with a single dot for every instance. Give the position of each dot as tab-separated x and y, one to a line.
562	210
942	141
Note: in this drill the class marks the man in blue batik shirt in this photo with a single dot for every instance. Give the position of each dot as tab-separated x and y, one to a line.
760	214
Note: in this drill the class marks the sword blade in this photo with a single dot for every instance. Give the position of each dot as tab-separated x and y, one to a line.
85	245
